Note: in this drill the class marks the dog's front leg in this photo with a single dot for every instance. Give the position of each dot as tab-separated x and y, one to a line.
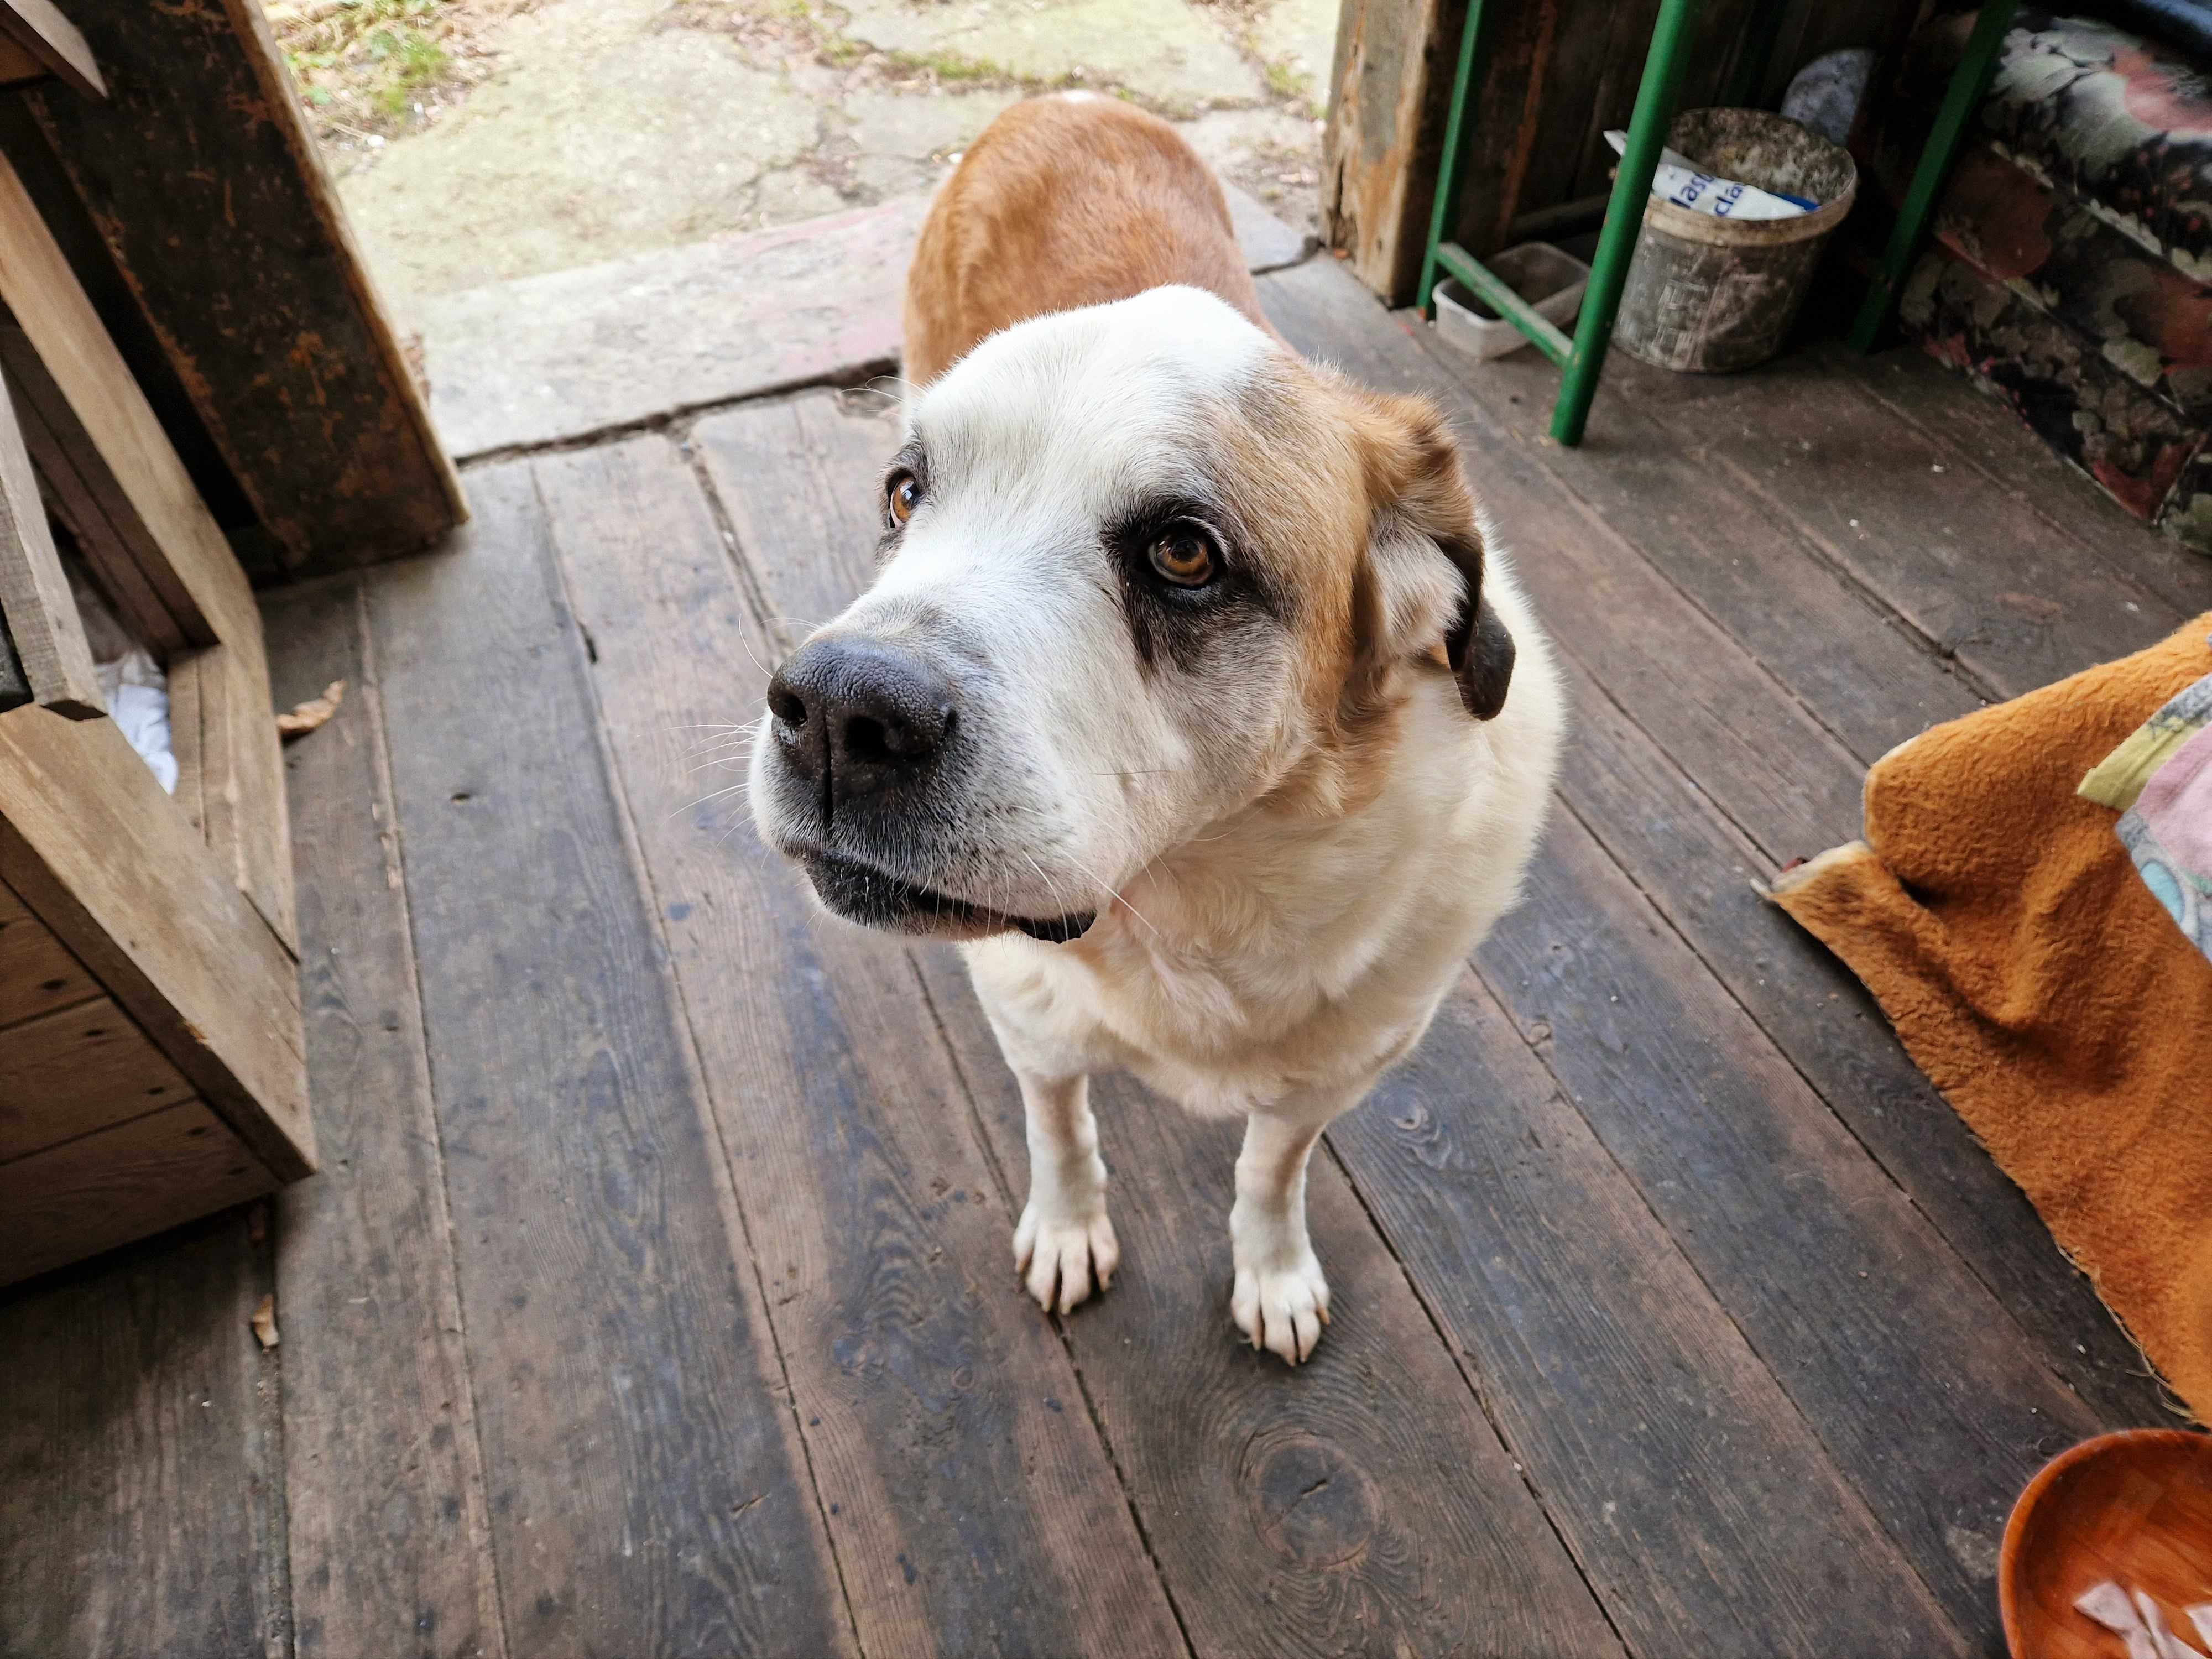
1064	1239
1281	1299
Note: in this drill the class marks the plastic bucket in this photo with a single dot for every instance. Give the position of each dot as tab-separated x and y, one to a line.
1705	295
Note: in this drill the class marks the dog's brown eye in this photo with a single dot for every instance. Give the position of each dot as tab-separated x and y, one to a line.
903	495
1184	556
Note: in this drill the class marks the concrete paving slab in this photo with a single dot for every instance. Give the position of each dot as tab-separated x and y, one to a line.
1268	243
600	346
607	133
1166	50
559	357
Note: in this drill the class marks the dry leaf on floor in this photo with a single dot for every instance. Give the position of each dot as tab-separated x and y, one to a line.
265	1321
313	714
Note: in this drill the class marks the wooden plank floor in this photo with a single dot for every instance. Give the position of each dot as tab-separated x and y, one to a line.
656	1296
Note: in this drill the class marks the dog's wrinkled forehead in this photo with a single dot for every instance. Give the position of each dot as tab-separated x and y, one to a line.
1118	394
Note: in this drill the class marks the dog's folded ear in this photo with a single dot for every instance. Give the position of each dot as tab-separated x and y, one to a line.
1427	553
1479	648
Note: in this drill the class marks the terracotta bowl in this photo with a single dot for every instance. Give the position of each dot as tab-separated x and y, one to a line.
2136	1508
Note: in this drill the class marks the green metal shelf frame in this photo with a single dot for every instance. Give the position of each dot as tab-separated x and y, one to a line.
1580	359
1970	83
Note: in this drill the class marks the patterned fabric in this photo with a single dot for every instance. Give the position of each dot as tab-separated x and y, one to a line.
2072	272
2118	780
2160	780
2126	125
2061	382
2177	805
2189	903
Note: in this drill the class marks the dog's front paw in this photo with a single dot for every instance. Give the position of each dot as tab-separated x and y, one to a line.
1281	1299
1282	1310
1060	1257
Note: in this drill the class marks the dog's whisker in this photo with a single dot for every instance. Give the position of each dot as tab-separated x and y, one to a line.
747	645
726	737
737	788
1118	899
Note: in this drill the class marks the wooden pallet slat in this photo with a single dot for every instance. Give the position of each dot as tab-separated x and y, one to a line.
83	492
121	1184
41	614
38	974
102	421
38	30
76	1070
89	840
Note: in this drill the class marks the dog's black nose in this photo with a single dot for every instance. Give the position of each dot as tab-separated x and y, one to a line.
857	716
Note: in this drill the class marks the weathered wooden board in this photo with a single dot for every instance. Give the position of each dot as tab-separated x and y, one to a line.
88	838
15	684
138	1493
1673	823
1426	1541
244	811
1388	95
120	1183
37	28
1671	836
185	737
79	1069
38	974
1870	682
878	1228
1694	1494
1947	408
1923	1389
85	496
390	1527
41	616
217	208
1990	580
647	1489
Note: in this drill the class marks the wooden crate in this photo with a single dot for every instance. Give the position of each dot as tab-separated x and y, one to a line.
151	1056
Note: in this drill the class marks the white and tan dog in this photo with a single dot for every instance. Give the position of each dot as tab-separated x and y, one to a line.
1192	694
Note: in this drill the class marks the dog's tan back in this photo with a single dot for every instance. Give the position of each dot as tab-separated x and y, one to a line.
1064	202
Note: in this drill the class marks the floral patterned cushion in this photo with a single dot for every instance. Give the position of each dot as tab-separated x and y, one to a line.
2124	124
2072	270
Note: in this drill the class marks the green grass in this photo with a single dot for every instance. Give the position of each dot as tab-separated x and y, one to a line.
1286	82
374	57
951	67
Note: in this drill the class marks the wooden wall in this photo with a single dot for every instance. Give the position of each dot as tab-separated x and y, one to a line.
1557	74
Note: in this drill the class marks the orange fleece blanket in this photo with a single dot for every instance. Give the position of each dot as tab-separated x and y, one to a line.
1999	921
